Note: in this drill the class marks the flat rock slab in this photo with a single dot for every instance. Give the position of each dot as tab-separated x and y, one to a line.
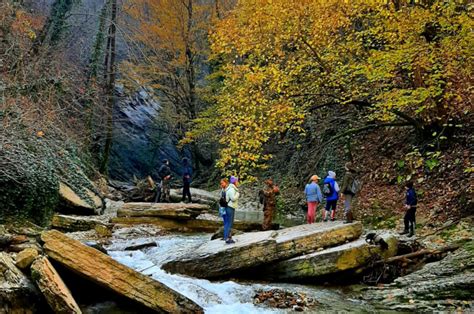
71	202
193	225
72	223
106	272
53	287
197	196
165	210
217	259
330	261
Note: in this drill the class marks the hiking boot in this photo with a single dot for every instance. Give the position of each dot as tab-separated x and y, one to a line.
404	232
230	241
333	219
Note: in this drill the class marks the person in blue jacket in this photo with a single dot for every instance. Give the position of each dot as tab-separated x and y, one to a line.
313	197
410	206
331	193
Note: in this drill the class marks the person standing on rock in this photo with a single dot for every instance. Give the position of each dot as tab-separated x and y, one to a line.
269	194
350	186
187	174
232	199
331	192
165	175
314	197
410	206
223	203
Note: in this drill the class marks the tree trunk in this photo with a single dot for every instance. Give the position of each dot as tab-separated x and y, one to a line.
110	87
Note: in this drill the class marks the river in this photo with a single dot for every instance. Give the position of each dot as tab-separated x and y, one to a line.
214	296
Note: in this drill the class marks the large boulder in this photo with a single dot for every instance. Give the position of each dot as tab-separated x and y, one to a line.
53	287
85	203
108	273
330	261
218	259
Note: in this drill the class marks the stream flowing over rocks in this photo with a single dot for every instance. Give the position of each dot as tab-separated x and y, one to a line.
227	296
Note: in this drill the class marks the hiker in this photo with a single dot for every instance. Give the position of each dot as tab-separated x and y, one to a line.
187	173
268	198
410	206
165	174
223	202
232	197
314	197
350	187
331	193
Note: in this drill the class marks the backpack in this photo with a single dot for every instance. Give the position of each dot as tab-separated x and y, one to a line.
327	189
355	186
222	200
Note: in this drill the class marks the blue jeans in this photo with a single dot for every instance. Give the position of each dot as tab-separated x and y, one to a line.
228	221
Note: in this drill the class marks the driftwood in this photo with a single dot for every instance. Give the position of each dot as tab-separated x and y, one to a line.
108	273
420	253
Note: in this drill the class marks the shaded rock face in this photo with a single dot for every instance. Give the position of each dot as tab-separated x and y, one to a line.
139	143
17	293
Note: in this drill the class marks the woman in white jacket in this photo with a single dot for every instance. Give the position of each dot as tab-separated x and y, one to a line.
232	198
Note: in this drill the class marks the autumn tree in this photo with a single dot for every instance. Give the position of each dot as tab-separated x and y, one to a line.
397	63
170	57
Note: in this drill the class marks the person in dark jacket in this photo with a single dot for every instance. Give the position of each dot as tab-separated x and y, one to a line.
165	175
410	206
331	192
349	190
269	203
187	174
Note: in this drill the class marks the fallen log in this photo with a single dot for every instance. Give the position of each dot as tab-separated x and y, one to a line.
52	286
409	256
106	272
351	255
217	259
17	293
165	210
71	223
194	225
